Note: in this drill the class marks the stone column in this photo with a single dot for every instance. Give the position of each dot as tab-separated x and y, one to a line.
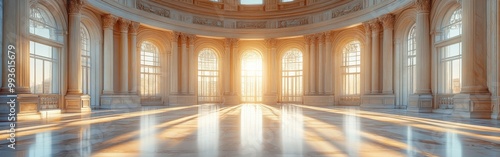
174	84
274	67
421	101
312	65
15	36
474	100
192	64
184	65
388	23
365	61
375	27
227	67
133	53
108	24
321	63
234	51
307	55
328	64
124	71
75	101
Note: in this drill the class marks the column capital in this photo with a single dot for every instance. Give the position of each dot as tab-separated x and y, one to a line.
234	42
183	38
308	39
192	38
175	36
423	5
328	35
133	27
375	25
271	42
74	6
108	21
227	42
320	37
387	21
368	30
124	24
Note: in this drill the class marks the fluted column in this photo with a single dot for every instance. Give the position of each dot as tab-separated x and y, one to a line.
227	67
312	65
328	63
184	65
234	51
109	63
124	25
16	38
174	83
366	58
272	72
375	27
192	62
74	48
133	66
387	83
321	63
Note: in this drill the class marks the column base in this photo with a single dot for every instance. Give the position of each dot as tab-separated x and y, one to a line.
477	106
182	100
25	108
378	101
120	101
496	108
318	100
76	103
420	103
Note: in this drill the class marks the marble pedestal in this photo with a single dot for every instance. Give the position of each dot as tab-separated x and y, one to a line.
319	100
120	101
378	101
420	103
472	106
182	100
25	108
76	103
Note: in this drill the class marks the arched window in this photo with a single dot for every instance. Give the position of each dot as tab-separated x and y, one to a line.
208	76
450	56
351	60
85	58
45	46
291	81
150	73
251	2
411	60
251	77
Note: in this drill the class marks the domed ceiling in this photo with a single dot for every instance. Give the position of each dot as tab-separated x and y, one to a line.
229	18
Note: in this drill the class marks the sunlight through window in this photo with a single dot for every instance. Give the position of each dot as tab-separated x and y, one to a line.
150	73
208	76
251	77
291	81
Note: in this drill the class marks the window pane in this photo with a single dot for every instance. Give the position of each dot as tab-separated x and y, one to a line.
251	2
251	77
291	83
351	59
208	75
150	73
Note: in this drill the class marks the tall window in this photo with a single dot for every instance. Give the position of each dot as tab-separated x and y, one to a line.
450	56
411	62
208	76
291	81
251	77
85	58
251	2
44	53
150	73
351	60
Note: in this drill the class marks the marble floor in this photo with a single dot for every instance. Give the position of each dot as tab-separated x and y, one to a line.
253	130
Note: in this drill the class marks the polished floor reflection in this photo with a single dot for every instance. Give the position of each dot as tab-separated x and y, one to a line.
207	130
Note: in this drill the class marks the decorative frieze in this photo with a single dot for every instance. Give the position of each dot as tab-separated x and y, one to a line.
141	5
348	9
251	25
207	21
293	22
